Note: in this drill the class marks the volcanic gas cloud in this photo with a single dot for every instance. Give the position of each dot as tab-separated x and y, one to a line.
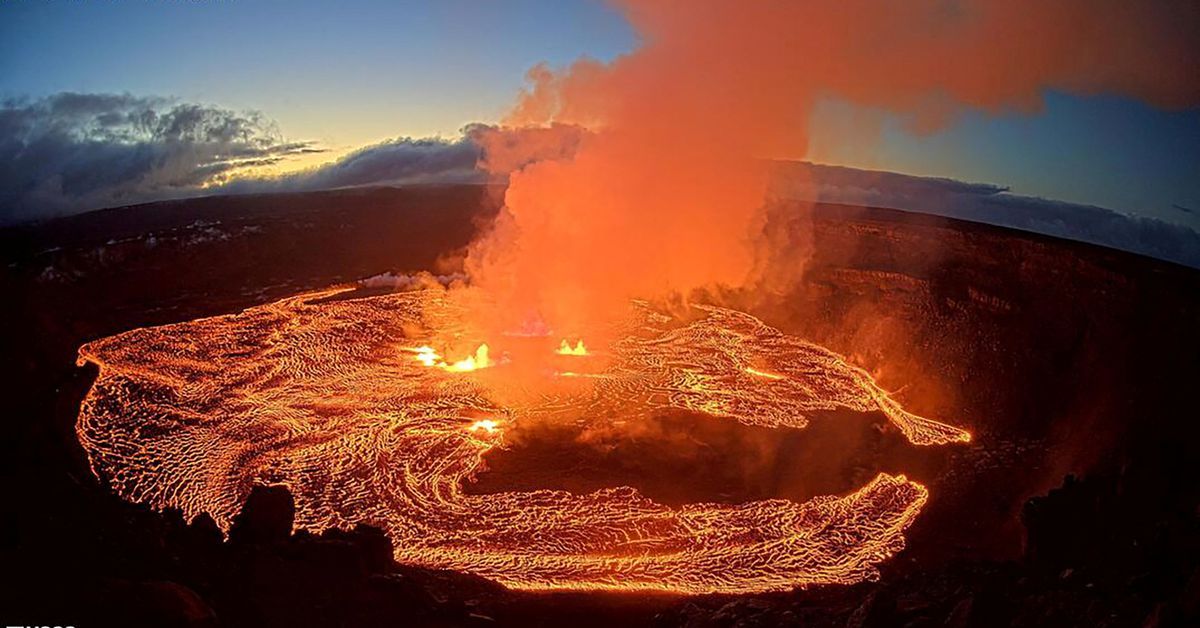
642	178
663	191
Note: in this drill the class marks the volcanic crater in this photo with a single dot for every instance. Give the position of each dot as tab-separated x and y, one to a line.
1060	358
346	402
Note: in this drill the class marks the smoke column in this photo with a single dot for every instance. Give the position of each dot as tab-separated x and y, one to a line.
663	192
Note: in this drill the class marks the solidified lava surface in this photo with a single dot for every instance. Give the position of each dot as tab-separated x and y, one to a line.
328	396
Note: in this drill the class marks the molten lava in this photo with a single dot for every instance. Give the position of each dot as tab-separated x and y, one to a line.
429	357
312	392
566	349
472	362
485	425
757	373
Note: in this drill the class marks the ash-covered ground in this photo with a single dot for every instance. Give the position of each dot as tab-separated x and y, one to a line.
1074	504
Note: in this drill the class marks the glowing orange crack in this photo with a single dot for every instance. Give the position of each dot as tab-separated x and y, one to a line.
757	373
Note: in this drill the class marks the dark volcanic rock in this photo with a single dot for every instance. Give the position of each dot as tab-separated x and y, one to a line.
1065	360
266	518
155	603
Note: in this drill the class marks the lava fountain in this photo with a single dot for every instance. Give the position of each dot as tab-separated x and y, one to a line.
351	404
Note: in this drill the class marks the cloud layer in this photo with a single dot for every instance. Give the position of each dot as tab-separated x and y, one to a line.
481	153
989	204
72	152
75	152
402	160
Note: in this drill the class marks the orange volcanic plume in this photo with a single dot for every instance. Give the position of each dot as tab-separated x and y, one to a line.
663	194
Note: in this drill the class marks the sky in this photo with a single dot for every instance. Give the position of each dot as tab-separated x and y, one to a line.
345	75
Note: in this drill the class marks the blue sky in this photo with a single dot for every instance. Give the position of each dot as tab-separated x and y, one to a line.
345	73
353	73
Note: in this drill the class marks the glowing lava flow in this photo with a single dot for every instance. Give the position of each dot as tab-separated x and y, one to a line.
429	357
566	349
319	394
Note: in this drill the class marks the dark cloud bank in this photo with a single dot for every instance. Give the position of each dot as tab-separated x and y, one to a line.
74	152
70	153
